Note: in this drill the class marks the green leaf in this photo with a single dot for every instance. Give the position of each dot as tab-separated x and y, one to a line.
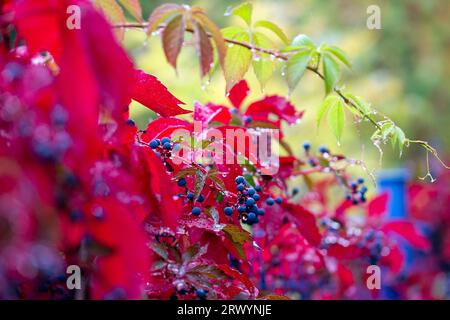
361	104
274	28
249	179
296	66
263	66
212	212
296	48
200	179
219	197
214	176
303	40
336	119
238	237
244	11
160	250
340	54
401	139
329	101
232	31
237	61
331	72
387	130
185	172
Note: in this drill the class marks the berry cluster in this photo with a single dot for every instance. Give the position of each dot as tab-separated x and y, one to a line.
247	207
357	189
374	242
164	148
190	197
358	192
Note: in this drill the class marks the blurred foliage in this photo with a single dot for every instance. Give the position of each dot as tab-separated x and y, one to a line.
401	69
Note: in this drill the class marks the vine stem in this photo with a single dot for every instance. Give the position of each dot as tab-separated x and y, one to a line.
280	55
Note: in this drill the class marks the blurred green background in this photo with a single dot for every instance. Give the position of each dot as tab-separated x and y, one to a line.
402	70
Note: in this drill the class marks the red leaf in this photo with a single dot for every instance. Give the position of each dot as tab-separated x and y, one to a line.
409	232
212	113
240	277
164	127
274	105
395	259
345	276
378	205
238	93
151	93
345	253
306	222
157	186
39	23
126	267
204	49
173	38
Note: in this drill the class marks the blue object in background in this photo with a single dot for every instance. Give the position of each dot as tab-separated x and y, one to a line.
394	182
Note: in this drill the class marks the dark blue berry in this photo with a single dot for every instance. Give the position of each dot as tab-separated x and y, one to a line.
190	196
228	211
354	185
251	217
239	179
279	200
165	140
241	209
240	187
306	146
258	188
201	293
360	180
131	123
167	145
270	201
251	192
248	119
324	149
250	202
261	212
196	211
200	198
363	190
256	197
154	143
181	182
253	209
295	191
348	197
